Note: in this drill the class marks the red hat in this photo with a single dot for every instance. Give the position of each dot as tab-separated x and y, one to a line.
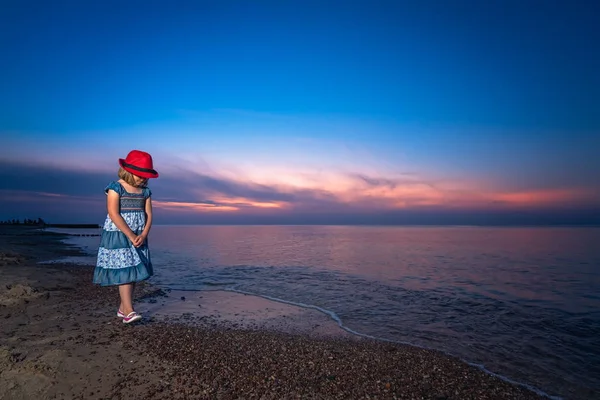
139	163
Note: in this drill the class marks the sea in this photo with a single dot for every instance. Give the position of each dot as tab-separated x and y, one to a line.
522	303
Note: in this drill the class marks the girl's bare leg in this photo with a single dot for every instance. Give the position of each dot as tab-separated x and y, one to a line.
126	293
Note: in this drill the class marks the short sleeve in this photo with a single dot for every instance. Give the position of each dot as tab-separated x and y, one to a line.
147	192
116	186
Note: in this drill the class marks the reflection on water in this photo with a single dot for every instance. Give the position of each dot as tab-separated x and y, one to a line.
553	265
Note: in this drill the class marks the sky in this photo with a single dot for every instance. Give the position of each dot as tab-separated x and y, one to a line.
292	112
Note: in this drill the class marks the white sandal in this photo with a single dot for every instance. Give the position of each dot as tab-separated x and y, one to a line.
131	317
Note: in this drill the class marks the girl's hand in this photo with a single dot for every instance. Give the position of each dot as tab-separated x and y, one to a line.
139	240
132	239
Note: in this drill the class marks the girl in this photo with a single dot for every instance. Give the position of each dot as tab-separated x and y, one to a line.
123	255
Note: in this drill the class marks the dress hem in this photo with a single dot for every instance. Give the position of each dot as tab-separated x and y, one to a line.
122	276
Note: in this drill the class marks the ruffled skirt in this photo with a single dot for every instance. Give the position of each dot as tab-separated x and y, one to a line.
120	262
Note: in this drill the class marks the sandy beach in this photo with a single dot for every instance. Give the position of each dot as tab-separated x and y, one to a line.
60	339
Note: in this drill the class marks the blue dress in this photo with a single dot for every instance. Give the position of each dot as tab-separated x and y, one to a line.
119	261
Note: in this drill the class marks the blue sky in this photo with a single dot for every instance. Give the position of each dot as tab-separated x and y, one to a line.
275	110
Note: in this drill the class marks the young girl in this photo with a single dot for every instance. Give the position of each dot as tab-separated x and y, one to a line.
123	256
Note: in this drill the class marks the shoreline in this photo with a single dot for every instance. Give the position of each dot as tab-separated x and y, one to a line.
60	339
236	310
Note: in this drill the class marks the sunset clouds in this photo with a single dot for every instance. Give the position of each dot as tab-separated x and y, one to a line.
186	195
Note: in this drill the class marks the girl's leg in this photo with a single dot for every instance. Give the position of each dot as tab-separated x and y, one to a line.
126	293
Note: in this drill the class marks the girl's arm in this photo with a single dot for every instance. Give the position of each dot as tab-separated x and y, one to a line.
148	218
140	240
112	205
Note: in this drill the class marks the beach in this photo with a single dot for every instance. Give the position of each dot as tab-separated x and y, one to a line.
60	339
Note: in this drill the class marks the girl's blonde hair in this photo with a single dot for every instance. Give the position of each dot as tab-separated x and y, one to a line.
128	177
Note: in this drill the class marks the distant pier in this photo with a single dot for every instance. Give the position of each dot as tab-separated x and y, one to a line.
74	226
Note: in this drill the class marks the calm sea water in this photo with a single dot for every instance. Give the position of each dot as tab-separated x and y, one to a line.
523	303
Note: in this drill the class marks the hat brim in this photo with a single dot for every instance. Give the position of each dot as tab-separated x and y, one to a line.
141	172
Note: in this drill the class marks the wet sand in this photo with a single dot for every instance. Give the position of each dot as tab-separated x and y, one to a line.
240	311
60	339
